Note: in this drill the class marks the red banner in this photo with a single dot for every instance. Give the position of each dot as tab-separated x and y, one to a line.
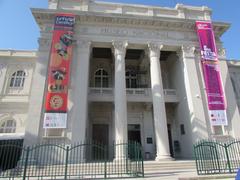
211	73
59	71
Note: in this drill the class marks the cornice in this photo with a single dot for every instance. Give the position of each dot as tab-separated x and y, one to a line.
43	16
18	53
233	63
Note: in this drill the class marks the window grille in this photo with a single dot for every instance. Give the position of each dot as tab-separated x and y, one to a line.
17	79
8	126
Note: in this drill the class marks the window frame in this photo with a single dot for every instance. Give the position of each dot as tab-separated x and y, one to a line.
130	78
103	77
17	79
6	128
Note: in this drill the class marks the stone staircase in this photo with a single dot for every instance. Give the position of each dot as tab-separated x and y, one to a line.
162	166
177	170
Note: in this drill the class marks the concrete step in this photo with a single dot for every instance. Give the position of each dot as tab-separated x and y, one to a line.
168	165
210	177
178	169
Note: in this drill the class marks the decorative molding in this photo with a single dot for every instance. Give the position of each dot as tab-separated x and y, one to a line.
221	53
154	50
188	51
2	66
139	33
44	44
119	47
103	18
83	44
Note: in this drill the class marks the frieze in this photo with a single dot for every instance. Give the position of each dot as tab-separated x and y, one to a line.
177	25
135	33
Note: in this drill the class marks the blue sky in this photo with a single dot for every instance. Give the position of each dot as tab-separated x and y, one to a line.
19	30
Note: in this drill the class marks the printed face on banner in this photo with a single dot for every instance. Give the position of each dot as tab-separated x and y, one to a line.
206	41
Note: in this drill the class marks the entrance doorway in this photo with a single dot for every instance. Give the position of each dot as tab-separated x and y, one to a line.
134	136
170	140
134	133
100	136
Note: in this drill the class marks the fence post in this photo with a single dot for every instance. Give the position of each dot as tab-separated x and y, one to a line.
127	146
218	161
105	161
66	163
228	160
26	163
141	154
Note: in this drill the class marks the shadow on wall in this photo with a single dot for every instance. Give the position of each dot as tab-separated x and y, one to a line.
231	107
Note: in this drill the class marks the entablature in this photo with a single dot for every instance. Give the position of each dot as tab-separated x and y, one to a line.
46	16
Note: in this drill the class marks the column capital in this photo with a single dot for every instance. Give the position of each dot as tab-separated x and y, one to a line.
119	47
221	54
84	44
187	51
44	44
154	49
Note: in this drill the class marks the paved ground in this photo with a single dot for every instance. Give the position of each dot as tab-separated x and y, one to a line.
182	175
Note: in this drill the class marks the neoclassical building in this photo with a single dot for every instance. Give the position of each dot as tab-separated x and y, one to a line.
135	75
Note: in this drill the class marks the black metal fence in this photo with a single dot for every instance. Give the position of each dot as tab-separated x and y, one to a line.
74	161
214	157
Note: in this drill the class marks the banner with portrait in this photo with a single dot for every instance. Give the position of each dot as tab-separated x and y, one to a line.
58	72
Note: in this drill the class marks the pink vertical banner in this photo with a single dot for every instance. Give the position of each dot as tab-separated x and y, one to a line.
206	41
211	73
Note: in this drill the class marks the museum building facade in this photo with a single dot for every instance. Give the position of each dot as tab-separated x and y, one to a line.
135	75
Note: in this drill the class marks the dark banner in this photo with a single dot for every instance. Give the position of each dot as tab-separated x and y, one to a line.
58	72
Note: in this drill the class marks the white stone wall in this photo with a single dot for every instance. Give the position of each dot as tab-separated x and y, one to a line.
14	101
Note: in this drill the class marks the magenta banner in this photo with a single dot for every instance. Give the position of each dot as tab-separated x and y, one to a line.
206	41
211	73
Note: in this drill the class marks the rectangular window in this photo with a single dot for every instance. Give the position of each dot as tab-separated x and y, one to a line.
182	129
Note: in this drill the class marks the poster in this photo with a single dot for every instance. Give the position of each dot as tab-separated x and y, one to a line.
211	74
58	72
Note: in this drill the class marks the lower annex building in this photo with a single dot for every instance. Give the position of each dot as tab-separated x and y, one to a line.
135	75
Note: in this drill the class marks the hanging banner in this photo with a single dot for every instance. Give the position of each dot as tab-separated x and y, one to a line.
58	72
215	93
211	73
206	41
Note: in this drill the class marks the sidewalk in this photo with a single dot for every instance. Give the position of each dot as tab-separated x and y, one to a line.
183	175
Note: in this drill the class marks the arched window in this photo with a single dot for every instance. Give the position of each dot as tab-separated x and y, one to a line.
8	126
101	78
17	79
131	79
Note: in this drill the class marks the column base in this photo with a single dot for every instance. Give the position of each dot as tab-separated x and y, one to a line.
164	158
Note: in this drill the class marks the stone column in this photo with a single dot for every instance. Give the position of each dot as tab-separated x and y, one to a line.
195	123
159	111
120	99
79	90
34	122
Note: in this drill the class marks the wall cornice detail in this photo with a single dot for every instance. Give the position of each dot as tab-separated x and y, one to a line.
44	16
187	51
83	44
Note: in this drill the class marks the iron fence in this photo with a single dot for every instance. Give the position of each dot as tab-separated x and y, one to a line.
214	157
71	161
